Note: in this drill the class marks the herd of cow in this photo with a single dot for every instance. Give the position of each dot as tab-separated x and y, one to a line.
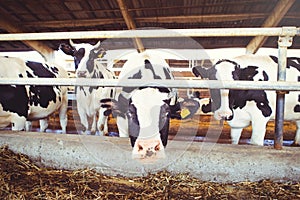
143	113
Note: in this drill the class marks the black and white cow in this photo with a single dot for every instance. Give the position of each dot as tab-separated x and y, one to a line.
144	113
19	103
242	107
88	97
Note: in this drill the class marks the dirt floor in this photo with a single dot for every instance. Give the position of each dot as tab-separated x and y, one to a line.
20	178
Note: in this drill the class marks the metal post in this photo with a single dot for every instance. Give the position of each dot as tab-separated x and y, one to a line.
283	43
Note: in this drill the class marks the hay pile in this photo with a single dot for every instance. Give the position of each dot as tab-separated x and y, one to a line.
20	178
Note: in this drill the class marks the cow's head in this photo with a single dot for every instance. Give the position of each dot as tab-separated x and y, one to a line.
84	55
148	112
224	100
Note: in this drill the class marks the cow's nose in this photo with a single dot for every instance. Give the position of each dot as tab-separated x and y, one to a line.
81	74
148	148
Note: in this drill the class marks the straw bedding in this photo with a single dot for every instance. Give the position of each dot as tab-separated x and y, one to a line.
21	178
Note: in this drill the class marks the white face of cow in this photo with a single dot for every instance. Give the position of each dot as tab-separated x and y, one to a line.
84	55
150	115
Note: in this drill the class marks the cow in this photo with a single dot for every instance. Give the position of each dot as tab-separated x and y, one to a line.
143	113
87	98
204	104
20	104
242	107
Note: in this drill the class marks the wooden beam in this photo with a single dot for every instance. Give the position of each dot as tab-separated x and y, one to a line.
130	24
46	52
275	17
158	19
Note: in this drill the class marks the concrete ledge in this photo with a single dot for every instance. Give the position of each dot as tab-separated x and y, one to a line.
112	156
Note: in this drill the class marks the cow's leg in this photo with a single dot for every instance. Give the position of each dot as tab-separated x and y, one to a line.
63	116
297	137
43	125
235	134
18	123
93	129
240	120
258	130
83	119
28	126
102	122
122	126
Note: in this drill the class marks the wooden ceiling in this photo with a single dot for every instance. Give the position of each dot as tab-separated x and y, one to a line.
17	16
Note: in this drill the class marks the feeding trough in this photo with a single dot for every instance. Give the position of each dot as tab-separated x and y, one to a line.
112	156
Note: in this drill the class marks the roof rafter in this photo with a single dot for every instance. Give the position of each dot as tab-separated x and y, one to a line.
46	52
158	19
130	24
275	17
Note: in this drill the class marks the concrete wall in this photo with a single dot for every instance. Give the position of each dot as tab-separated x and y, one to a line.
112	156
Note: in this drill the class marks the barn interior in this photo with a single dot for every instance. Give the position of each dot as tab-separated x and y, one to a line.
39	16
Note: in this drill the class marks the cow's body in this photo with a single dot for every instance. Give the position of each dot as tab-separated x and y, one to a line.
144	113
256	107
20	103
87	98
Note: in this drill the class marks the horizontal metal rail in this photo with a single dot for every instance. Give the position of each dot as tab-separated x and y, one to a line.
213	84
154	33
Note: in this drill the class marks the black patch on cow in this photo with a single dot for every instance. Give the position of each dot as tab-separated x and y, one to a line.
149	66
137	75
67	49
14	99
40	70
78	55
29	75
54	69
40	95
297	108
239	98
290	62
167	73
245	74
209	73
205	73
133	124
132	140
207	108
266	77
164	123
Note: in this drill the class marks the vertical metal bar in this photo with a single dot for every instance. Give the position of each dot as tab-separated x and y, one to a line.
283	43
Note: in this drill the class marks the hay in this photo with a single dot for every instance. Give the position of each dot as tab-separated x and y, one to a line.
20	178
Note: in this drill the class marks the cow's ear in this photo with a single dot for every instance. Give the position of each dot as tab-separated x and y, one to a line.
112	107
67	49
188	108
